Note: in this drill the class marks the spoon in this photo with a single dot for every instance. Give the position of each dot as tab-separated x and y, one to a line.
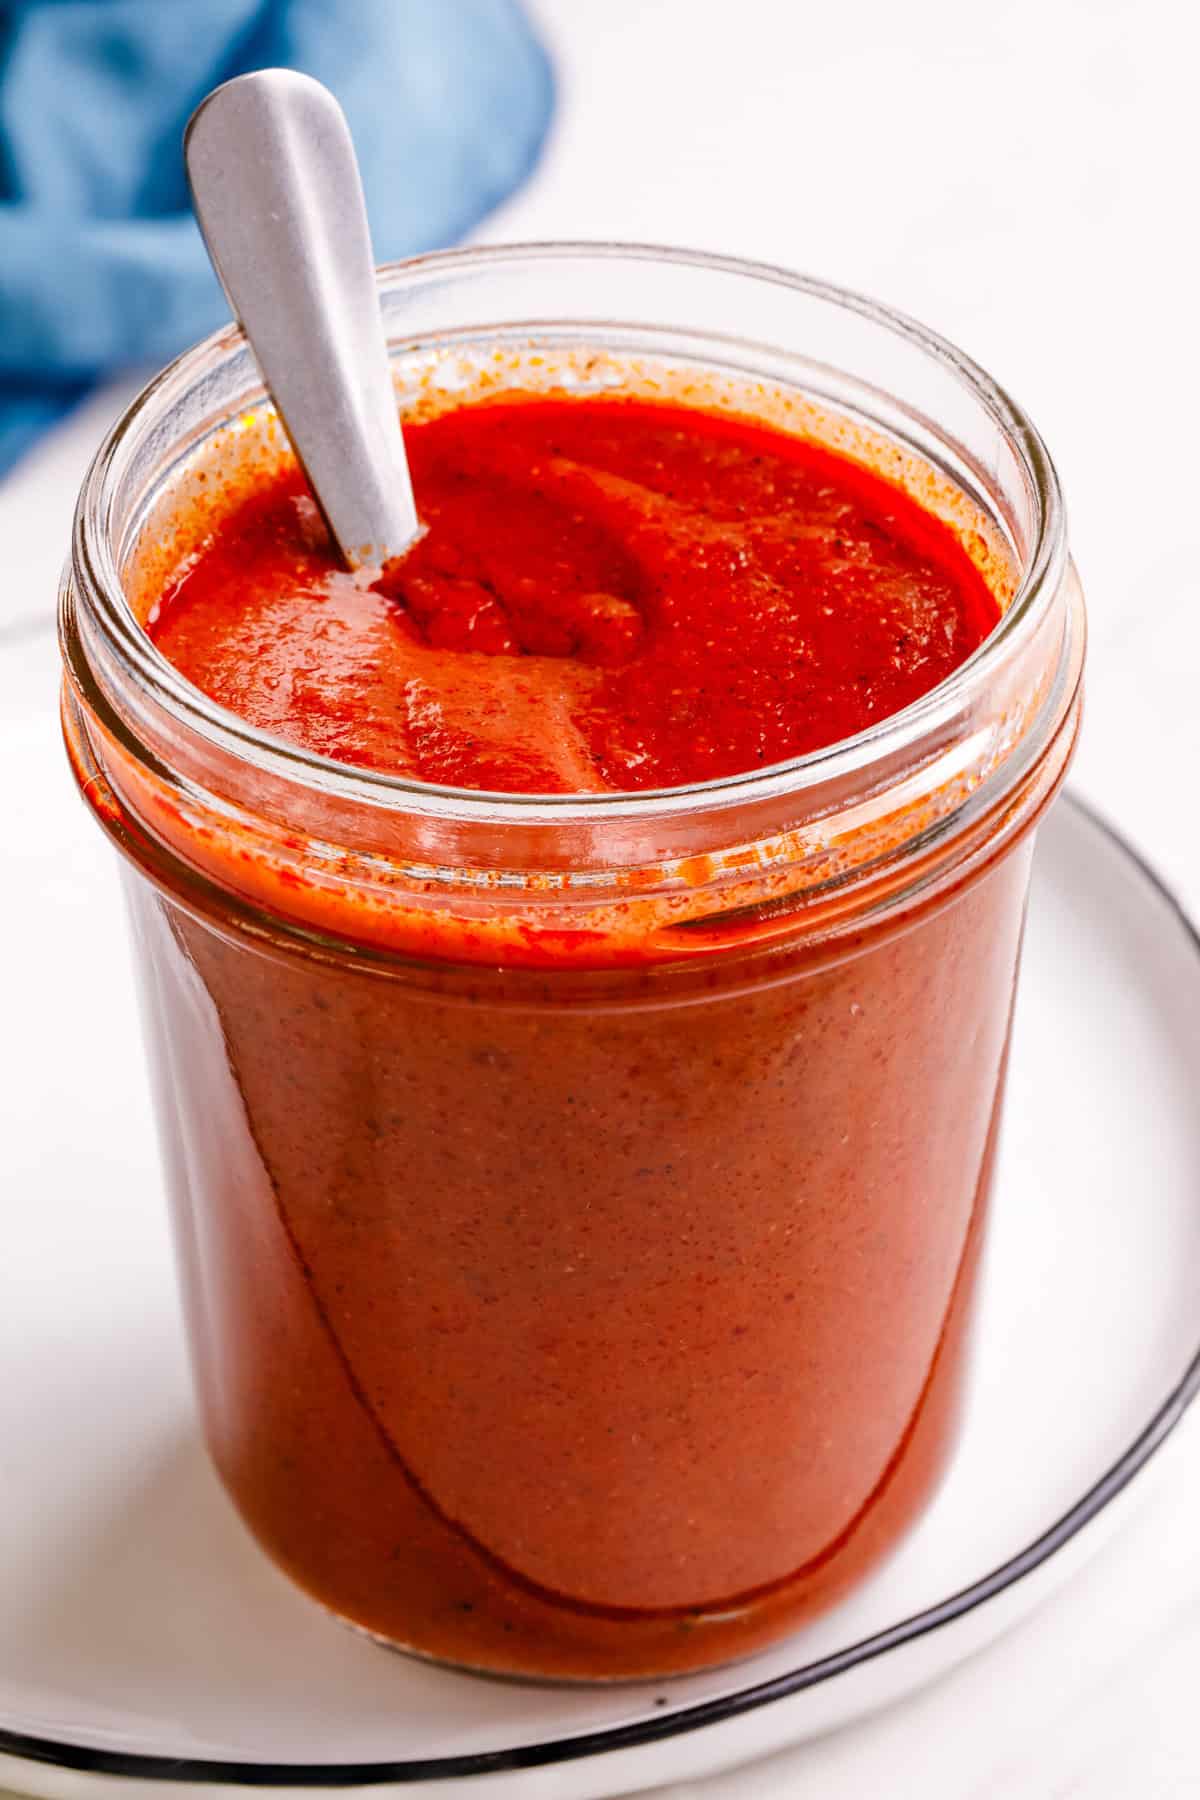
279	198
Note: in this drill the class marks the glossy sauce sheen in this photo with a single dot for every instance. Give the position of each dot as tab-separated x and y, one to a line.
609	595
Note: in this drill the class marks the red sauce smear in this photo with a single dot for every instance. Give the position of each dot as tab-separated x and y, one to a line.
610	595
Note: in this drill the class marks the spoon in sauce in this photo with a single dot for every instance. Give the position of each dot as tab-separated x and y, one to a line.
279	198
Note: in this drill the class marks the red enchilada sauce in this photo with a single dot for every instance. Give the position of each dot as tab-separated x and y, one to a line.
566	1322
609	595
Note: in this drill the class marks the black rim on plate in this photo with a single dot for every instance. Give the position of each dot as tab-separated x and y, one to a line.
655	1729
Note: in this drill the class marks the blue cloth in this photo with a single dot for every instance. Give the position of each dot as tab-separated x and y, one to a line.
101	263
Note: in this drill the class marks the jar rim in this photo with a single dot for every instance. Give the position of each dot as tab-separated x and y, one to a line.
93	564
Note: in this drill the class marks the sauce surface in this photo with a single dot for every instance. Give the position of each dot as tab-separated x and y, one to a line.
610	595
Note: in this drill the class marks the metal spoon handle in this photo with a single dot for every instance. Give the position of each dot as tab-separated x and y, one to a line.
280	202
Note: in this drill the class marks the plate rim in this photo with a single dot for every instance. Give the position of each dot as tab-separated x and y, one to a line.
220	1771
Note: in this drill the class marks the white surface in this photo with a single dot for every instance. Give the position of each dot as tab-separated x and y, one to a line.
138	1616
1023	178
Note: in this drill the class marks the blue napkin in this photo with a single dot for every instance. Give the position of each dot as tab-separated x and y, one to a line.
101	263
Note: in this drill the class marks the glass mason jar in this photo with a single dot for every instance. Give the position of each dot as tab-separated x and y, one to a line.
579	1198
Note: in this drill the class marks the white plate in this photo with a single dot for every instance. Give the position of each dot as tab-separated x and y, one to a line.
145	1642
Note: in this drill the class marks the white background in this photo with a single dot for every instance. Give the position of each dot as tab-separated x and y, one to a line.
1022	176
